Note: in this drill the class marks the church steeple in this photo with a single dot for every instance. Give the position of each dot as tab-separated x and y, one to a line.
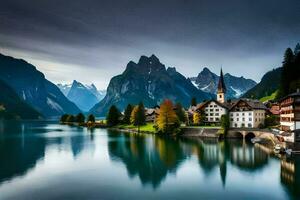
221	89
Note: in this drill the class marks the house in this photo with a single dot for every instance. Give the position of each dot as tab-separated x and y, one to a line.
290	114
151	113
213	110
247	113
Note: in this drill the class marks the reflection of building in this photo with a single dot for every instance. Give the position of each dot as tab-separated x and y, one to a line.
247	113
290	175
290	114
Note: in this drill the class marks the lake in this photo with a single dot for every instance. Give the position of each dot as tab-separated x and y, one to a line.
46	160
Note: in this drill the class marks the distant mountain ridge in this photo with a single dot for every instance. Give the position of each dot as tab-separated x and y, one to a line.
33	88
148	81
236	86
84	96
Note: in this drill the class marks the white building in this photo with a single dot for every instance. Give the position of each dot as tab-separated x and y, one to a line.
213	110
247	113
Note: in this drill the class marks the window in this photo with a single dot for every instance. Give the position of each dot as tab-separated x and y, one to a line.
235	125
211	114
237	119
211	110
231	115
256	119
243	114
220	96
210	105
206	114
243	125
217	110
237	114
211	119
215	106
243	119
217	114
231	119
250	114
217	119
250	119
249	125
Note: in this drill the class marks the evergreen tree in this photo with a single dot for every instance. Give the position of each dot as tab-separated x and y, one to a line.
167	120
180	112
194	101
113	116
63	118
80	118
127	114
91	118
287	73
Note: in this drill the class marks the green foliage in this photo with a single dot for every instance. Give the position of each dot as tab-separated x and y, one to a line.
113	116
80	118
194	101
271	120
70	118
64	118
270	97
225	123
91	118
180	112
127	114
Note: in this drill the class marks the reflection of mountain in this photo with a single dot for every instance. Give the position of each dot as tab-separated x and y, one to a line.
290	176
18	155
151	158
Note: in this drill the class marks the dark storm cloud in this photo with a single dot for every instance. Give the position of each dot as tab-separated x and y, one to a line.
104	35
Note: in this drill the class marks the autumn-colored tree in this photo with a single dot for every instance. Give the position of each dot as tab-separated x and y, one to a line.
196	118
167	120
138	116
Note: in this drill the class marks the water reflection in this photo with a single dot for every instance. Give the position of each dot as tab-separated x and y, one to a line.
153	157
290	175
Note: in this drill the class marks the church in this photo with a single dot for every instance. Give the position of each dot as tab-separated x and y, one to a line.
246	113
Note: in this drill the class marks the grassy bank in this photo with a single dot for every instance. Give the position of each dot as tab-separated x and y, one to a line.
145	128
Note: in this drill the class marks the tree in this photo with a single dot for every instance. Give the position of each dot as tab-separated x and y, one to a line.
167	120
288	73
63	118
127	114
71	118
194	101
91	118
225	123
180	112
138	117
196	118
80	118
271	120
113	116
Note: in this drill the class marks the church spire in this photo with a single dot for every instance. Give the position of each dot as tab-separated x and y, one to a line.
221	89
221	84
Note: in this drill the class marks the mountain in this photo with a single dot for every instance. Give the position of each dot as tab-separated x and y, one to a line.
148	81
207	81
84	96
12	106
267	86
32	87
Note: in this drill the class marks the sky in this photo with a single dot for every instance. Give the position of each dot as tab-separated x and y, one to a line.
93	40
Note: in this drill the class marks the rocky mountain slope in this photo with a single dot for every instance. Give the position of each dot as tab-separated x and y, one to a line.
33	88
148	81
207	81
13	107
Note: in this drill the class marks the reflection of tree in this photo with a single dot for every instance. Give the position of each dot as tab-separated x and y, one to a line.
149	157
290	176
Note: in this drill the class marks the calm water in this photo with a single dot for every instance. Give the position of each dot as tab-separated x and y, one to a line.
42	160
